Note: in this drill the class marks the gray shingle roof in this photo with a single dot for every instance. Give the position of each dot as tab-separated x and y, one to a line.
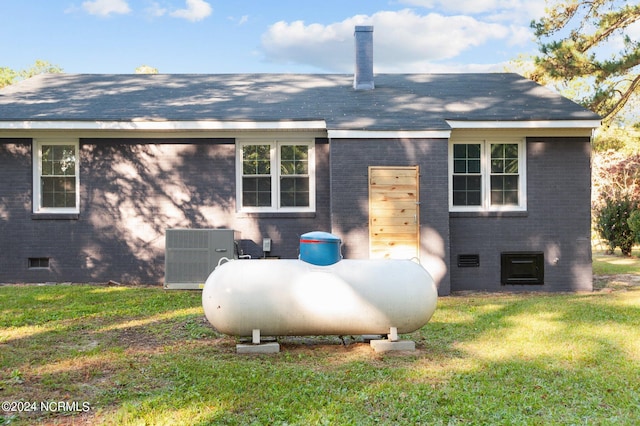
399	101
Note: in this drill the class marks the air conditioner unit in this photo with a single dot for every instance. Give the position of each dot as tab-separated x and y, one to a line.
192	254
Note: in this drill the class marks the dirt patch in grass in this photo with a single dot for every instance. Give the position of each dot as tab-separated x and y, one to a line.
610	283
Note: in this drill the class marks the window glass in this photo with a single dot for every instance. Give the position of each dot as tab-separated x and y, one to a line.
294	159
256	160
256	179
256	192
467	181
467	190
294	182
294	192
58	176
504	177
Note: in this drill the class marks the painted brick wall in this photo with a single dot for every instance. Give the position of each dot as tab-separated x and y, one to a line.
21	237
350	160
557	223
16	233
131	192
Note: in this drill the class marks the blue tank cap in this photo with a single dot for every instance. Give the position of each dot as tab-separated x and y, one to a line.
318	237
320	248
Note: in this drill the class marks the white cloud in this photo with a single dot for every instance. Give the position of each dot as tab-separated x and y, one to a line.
155	10
239	21
512	11
466	6
106	7
519	35
403	41
521	12
196	10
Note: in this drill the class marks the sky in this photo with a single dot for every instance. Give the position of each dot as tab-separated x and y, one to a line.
265	36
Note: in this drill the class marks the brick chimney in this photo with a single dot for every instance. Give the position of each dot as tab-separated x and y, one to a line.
363	77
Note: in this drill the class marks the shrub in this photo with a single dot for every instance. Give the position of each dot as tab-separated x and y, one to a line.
634	224
608	142
612	223
615	196
615	175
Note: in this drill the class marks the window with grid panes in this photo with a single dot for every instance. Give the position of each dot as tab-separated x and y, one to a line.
486	176
276	176
56	177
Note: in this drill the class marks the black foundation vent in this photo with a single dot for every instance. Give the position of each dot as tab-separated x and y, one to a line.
468	260
522	268
38	263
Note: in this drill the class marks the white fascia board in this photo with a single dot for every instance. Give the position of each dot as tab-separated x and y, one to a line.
163	125
536	124
389	134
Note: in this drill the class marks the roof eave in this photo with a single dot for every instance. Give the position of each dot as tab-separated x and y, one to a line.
525	124
388	134
162	125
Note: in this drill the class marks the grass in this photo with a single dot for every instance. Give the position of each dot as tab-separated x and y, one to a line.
610	264
142	356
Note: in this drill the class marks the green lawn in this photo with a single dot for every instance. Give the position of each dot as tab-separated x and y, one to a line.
134	356
609	264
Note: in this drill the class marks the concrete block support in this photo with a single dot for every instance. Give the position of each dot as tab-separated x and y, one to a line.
388	346
263	348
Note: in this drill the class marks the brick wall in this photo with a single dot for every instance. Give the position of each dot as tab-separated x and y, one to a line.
350	160
557	223
131	192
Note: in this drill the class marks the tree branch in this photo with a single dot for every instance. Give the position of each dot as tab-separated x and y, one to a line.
633	87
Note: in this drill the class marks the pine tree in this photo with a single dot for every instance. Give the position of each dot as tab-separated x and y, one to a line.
590	45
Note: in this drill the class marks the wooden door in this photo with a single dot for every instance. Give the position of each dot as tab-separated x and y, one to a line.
394	212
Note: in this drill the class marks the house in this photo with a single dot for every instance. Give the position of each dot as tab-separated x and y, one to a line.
483	178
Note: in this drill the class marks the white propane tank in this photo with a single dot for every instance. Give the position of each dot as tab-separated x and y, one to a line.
294	298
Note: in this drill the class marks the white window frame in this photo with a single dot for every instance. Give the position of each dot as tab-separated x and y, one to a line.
37	173
275	176
485	172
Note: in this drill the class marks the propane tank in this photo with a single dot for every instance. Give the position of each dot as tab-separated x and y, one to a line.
291	297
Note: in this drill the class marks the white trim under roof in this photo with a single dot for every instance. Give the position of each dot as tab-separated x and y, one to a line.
389	134
163	125
533	124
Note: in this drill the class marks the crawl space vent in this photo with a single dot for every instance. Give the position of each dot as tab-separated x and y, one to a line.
468	260
522	268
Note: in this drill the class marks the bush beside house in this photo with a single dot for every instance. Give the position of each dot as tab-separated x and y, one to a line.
616	199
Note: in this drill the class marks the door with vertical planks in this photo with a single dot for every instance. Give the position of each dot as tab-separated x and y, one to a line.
394	212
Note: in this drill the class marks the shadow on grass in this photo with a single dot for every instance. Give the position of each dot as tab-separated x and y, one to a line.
141	355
